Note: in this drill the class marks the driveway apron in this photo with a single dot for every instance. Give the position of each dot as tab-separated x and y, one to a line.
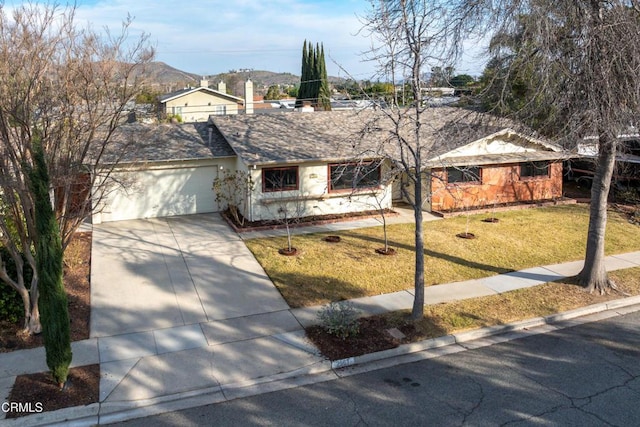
166	272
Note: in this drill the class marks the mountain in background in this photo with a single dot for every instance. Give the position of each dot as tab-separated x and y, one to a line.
164	78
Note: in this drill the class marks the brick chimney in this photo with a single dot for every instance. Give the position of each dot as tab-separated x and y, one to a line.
222	87
204	82
248	97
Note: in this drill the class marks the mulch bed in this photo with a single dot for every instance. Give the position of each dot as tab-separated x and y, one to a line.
83	388
372	337
42	393
77	270
301	222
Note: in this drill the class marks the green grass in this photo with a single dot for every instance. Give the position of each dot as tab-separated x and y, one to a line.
521	304
324	272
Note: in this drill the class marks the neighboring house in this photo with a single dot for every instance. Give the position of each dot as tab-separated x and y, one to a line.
197	104
307	164
581	167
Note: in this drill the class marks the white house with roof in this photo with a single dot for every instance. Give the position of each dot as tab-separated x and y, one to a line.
321	163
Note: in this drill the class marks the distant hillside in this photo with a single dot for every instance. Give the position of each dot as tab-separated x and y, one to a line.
164	78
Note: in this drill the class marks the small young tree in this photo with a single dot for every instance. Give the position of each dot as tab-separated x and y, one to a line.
369	180
232	191
287	204
409	35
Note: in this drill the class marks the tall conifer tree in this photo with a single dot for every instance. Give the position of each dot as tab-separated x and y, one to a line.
324	95
314	86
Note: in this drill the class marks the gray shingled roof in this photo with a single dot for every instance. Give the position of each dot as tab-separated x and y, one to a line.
339	135
165	142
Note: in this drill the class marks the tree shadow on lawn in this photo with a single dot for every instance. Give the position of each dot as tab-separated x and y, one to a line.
431	253
303	290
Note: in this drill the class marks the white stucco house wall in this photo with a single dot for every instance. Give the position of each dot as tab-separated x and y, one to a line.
299	161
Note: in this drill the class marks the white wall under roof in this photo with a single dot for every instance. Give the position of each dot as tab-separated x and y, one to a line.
313	197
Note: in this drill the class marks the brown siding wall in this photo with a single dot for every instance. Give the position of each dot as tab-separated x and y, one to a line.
500	184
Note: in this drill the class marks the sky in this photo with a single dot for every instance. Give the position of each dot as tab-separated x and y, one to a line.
214	36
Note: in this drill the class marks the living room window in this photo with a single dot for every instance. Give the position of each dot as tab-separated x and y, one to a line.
534	169
464	175
350	176
279	179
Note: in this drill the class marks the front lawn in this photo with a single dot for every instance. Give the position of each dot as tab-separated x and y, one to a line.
324	272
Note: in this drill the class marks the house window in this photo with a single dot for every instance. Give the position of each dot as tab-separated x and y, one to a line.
279	179
534	169
220	110
466	175
350	176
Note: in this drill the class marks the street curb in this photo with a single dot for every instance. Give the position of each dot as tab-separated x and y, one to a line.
475	334
111	412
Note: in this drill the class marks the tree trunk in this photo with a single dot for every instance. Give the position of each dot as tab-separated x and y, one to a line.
417	312
26	304
35	327
594	275
384	230
31	312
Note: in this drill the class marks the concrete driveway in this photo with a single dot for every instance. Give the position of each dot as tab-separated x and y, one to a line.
167	272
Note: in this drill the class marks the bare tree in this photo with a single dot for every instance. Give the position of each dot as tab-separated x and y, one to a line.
370	181
412	36
232	191
287	204
64	89
587	56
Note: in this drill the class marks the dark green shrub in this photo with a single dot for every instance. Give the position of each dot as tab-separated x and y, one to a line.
11	308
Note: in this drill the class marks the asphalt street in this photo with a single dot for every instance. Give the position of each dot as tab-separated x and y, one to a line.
586	375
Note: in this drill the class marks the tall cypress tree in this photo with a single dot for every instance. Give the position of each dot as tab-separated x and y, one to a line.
54	309
314	86
303	91
324	95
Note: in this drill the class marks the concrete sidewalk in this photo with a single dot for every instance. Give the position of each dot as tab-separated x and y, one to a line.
186	348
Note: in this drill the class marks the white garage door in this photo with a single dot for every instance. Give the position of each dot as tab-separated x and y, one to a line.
161	192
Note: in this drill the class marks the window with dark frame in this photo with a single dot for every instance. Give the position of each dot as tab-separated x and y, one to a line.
534	169
279	179
351	176
464	175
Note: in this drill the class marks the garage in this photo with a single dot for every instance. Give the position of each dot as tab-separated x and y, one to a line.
159	191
